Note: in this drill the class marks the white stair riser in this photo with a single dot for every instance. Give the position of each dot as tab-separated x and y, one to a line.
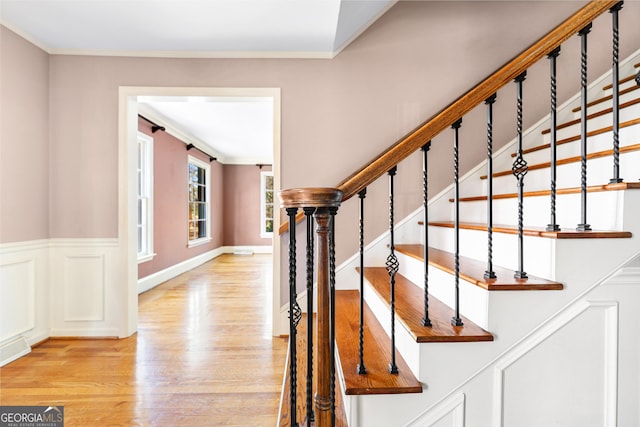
599	122
473	244
599	172
473	299
537	210
601	106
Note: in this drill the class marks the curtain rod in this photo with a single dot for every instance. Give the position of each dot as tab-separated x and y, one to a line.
154	126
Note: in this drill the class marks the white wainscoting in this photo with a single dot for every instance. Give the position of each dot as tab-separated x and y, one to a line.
24	296
86	294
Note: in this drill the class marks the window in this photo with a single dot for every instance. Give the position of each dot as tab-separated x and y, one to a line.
145	198
266	204
199	210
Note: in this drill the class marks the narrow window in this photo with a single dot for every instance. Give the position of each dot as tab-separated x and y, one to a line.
145	198
199	205
266	204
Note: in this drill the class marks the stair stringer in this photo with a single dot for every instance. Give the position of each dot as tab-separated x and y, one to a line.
602	391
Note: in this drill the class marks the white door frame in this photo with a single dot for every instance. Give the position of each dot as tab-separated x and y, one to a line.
127	236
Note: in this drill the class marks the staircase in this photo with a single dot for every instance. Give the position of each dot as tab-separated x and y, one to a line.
555	347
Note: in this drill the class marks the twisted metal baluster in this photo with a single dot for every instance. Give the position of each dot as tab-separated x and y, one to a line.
425	184
456	320
489	273
583	226
294	316
553	225
332	307
308	212
392	268
519	170
616	96
361	368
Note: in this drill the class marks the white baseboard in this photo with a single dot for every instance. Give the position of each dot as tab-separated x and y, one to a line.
155	279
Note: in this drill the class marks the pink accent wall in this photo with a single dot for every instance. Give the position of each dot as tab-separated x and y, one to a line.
170	159
24	140
242	206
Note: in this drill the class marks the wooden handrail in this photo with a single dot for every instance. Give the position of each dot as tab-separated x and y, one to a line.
446	117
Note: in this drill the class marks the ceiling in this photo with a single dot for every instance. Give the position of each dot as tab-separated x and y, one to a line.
233	129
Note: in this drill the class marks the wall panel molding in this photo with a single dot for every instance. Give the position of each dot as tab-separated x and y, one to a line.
609	311
452	407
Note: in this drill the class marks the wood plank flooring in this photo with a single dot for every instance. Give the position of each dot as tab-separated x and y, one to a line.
203	356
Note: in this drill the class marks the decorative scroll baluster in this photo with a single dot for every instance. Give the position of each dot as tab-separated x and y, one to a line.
361	368
309	216
489	273
332	307
294	315
456	320
425	183
392	269
553	225
519	170
616	96
583	226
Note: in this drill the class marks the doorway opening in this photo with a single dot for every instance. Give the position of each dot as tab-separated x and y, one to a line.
134	101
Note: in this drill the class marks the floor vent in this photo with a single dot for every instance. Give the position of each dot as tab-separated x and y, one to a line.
13	350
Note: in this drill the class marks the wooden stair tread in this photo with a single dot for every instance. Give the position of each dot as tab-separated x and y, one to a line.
473	271
538	231
285	404
592	116
622	81
377	352
573	190
575	159
606	98
577	137
410	311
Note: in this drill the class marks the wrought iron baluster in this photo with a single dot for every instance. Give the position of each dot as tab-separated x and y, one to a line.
392	268
332	307
616	96
294	315
519	170
308	212
361	367
553	225
583	226
489	273
425	183
456	320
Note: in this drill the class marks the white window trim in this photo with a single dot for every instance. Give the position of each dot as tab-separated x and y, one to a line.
149	254
263	214
207	168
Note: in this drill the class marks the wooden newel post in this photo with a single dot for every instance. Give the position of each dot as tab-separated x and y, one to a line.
323	200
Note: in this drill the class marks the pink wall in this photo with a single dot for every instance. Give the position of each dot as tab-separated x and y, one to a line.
24	136
242	206
170	158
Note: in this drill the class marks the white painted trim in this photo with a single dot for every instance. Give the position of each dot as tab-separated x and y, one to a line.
187	54
29	245
626	276
127	131
451	405
545	332
162	276
84	243
104	333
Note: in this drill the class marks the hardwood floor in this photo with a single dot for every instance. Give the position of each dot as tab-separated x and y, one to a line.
203	356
